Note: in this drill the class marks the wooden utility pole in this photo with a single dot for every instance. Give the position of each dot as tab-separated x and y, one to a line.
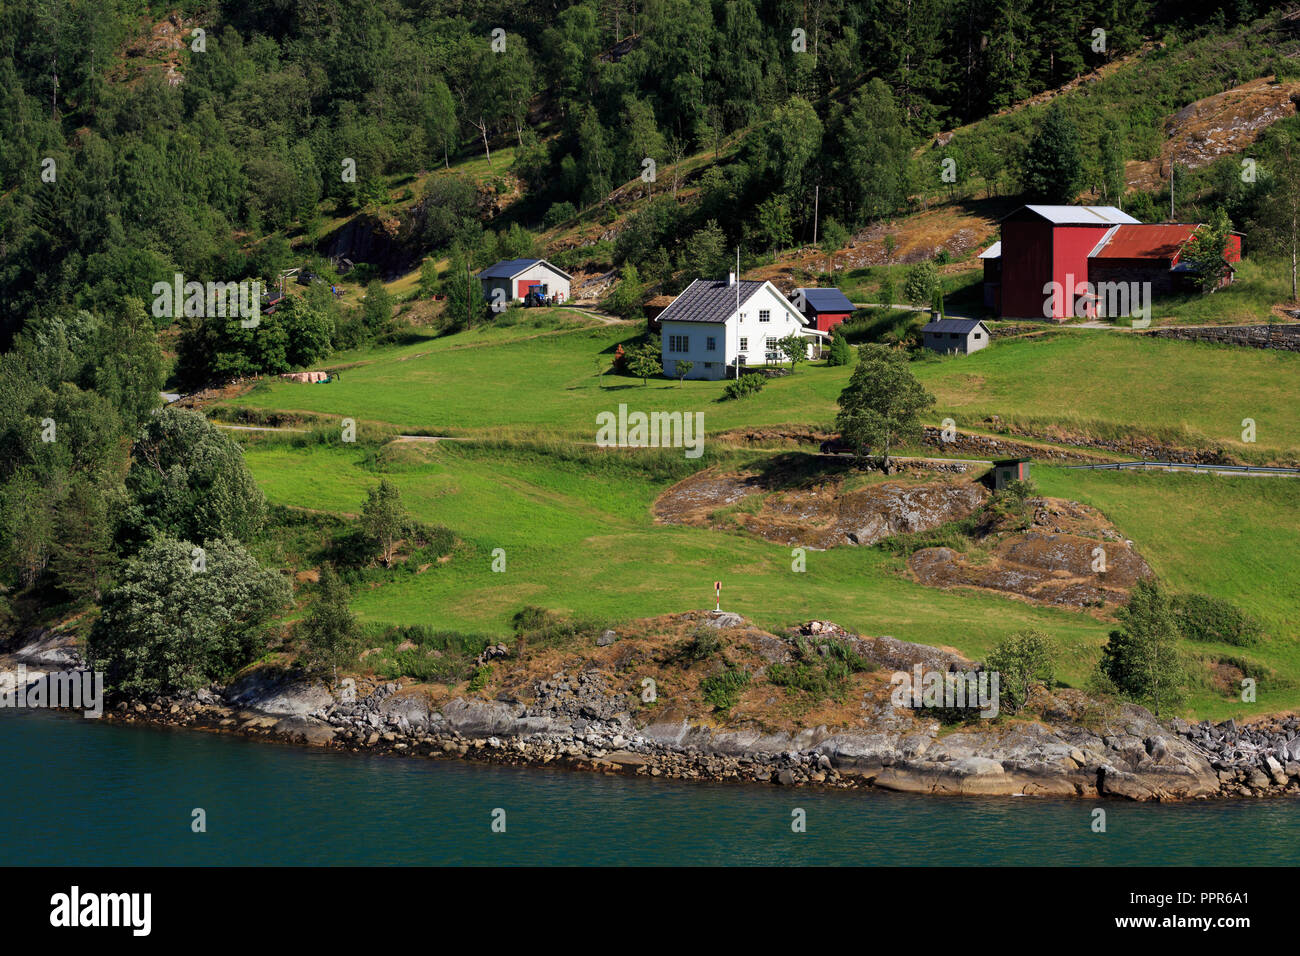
817	195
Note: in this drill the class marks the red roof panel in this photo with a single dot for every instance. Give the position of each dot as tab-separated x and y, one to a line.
1146	241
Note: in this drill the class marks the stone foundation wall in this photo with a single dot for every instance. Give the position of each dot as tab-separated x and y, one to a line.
1286	337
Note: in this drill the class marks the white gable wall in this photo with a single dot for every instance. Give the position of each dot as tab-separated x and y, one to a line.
783	320
697	335
542	272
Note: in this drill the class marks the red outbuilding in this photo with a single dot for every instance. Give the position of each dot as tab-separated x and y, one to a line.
1052	259
823	308
1045	253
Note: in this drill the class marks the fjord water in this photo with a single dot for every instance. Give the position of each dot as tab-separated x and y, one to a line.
84	792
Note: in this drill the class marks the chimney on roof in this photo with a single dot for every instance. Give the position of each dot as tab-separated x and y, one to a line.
731	278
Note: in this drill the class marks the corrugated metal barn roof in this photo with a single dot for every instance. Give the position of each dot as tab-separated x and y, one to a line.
1145	241
1078	215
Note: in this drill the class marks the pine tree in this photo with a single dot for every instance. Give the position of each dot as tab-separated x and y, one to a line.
1053	164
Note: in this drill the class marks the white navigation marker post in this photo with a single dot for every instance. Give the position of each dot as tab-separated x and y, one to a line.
717	592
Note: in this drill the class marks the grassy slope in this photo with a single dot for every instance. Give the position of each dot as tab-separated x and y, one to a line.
1233	538
580	538
1115	380
583	540
1109	381
540	383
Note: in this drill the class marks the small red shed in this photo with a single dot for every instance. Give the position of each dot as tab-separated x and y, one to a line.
823	308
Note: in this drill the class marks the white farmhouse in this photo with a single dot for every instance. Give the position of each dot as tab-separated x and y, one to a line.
717	324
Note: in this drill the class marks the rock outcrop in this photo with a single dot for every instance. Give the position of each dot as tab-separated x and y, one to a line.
590	716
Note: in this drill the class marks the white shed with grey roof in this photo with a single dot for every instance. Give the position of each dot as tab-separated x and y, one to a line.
955	335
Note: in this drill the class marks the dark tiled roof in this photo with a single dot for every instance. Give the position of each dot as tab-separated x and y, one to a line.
708	300
962	326
826	300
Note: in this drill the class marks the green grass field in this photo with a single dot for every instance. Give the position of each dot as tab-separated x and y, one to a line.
531	377
579	537
576	527
533	380
1107	383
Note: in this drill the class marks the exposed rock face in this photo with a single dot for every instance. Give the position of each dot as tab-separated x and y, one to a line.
1070	557
588	717
824	516
56	649
1045	569
274	692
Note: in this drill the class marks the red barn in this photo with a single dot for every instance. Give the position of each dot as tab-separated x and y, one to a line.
1042	245
1048	253
1153	253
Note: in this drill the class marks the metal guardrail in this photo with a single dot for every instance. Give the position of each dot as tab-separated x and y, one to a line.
1185	466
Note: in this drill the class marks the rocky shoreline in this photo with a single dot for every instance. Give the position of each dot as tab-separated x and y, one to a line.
576	719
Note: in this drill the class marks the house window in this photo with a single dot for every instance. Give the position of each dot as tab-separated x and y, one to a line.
952	335
710	364
710	344
744	344
764	315
771	343
679	343
978	335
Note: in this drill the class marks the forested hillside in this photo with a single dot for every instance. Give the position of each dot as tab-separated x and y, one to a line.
386	150
132	147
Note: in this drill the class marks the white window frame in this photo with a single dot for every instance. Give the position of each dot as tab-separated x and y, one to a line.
765	315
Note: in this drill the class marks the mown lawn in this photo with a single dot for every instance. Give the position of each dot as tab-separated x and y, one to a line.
1230	537
1106	383
1109	382
579	537
534	380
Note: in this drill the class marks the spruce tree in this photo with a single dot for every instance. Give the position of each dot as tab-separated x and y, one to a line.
1053	163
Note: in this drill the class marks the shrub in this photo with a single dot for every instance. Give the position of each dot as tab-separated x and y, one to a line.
1022	661
748	384
703	644
841	352
820	670
529	618
921	282
723	690
558	213
954	703
834	236
1201	617
534	625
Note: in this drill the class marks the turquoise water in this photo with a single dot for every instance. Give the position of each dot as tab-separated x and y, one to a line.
82	792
